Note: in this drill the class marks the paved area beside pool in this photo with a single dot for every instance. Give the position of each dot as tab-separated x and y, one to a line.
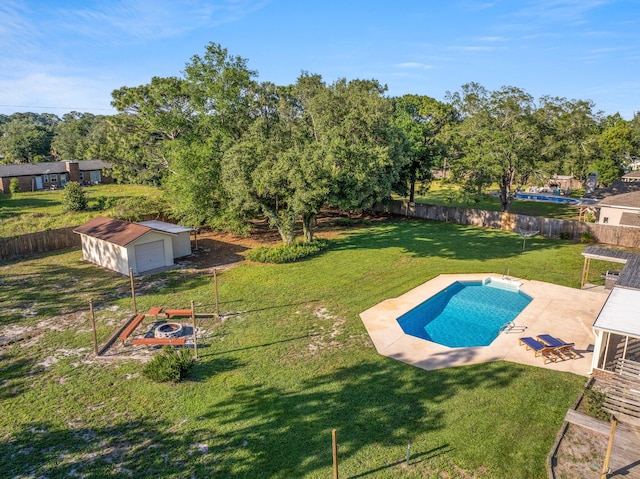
566	313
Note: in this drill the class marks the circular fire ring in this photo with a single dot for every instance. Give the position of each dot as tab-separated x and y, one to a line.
168	330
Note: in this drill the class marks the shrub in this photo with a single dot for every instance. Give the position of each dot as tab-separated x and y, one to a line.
593	404
105	202
170	365
587	237
565	235
351	221
74	197
285	253
139	208
14	185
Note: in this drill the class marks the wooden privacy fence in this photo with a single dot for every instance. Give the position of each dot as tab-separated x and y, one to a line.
549	227
40	242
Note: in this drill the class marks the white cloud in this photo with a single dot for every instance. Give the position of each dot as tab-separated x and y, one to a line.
149	19
414	65
40	90
564	11
471	48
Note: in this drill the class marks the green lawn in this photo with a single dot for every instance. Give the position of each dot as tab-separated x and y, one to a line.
42	210
290	361
449	195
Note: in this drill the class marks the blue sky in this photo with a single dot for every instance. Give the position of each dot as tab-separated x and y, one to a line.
58	56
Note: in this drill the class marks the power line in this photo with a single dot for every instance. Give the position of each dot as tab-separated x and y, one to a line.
56	107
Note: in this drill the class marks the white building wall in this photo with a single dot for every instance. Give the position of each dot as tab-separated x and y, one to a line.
613	215
105	254
181	244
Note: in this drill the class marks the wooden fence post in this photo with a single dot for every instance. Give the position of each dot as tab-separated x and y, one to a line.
193	325
133	292
93	326
334	444
215	285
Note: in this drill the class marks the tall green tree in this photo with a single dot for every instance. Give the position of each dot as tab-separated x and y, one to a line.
24	141
354	123
616	149
421	119
72	137
498	138
150	118
312	145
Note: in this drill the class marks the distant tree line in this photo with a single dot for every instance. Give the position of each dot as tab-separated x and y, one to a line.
226	147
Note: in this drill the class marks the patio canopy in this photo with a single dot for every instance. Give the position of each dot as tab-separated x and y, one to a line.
620	314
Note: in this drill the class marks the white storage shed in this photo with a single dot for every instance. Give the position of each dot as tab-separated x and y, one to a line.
120	245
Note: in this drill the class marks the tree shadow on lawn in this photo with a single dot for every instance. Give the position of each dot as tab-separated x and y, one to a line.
45	288
423	238
16	375
147	447
287	433
259	430
13	206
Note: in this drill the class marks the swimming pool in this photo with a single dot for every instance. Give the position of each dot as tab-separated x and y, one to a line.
465	314
548	198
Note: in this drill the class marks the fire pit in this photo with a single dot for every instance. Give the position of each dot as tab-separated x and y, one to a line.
168	330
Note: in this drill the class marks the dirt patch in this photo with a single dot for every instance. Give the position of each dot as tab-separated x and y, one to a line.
580	454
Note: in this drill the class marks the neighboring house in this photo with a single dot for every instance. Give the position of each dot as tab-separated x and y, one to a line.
617	327
631	176
564	182
53	174
120	245
621	210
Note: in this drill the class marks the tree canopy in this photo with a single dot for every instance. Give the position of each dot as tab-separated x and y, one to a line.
226	147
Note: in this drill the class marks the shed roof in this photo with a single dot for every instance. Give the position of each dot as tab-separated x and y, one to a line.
164	226
620	314
606	254
630	274
114	231
632	175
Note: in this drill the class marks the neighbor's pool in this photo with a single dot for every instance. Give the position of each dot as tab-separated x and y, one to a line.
465	314
548	198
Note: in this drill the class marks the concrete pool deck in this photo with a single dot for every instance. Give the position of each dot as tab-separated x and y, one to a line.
566	313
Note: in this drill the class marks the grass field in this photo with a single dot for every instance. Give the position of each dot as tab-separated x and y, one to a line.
29	212
449	195
289	361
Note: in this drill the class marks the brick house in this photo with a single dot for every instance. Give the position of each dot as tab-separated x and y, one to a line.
55	174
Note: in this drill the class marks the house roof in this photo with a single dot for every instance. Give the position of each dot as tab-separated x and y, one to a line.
618	187
620	314
626	200
630	219
114	231
632	175
166	227
48	167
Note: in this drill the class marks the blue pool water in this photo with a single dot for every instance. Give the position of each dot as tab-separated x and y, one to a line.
464	315
550	198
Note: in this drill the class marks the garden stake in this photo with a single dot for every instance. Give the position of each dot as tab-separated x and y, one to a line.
334	443
93	326
408	452
215	285
193	325
133	292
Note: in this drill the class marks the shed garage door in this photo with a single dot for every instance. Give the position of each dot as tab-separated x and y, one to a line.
149	256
